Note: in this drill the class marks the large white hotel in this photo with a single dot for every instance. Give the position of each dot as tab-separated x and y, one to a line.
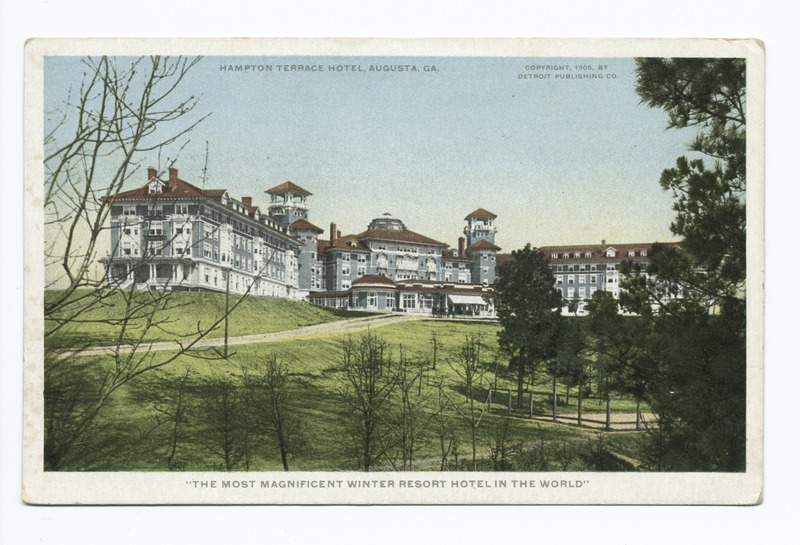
172	235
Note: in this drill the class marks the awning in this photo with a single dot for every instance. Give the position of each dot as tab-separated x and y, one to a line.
466	300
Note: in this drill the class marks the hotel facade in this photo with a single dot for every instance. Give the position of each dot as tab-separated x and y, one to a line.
172	235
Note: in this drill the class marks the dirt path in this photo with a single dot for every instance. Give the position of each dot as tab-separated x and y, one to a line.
341	326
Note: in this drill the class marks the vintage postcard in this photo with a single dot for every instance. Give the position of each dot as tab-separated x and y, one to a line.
393	271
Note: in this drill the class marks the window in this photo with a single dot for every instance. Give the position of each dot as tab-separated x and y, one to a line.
155	210
588	255
593	279
571	279
128	210
389	301
207	250
631	253
582	293
560	279
182	209
345	284
362	259
346	257
362	270
409	300
582	268
346	270
643	253
570	268
155	248
570	292
155	228
372	299
554	255
581	279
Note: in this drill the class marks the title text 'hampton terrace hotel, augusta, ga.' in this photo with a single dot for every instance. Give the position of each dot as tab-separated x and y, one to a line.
172	235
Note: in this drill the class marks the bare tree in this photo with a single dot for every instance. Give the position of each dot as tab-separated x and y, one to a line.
170	399
469	369
269	399
227	435
445	432
125	111
368	384
408	420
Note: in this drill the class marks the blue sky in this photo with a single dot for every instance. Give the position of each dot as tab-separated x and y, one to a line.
560	161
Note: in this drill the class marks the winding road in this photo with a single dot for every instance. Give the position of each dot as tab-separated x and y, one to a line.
341	326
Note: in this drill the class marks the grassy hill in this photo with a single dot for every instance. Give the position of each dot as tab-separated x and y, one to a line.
178	315
136	424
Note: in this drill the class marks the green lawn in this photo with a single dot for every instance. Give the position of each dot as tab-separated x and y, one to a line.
96	320
315	384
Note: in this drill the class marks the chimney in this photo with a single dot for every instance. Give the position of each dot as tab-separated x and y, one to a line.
603	242
338	233
461	241
247	201
173	175
333	234
151	173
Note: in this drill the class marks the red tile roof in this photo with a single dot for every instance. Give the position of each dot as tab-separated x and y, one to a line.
398	236
305	225
344	243
481	213
598	251
172	189
375	280
449	257
288	187
502	259
483	245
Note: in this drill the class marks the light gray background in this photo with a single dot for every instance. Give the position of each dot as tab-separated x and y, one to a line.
20	524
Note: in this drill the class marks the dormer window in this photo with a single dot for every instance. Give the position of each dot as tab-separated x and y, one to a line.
554	255
154	187
631	253
611	253
643	253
